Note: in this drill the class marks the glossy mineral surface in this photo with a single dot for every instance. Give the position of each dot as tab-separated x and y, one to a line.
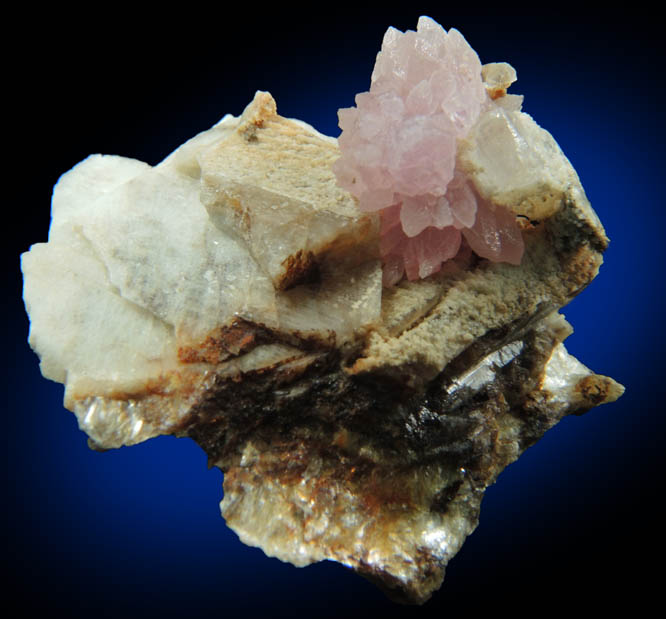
233	294
399	150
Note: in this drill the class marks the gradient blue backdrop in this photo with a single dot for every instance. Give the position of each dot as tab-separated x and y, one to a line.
136	532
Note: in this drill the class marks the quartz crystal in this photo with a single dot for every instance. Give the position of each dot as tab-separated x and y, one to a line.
399	147
233	294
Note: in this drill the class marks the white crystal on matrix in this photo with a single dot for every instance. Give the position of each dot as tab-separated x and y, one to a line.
399	149
143	252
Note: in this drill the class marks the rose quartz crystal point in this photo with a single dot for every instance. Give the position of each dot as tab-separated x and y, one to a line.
398	154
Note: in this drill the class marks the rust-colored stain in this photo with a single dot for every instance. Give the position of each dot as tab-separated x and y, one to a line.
235	204
581	268
496	93
167	385
221	344
299	268
380	493
594	388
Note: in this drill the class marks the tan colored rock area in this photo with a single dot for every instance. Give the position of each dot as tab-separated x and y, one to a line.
271	179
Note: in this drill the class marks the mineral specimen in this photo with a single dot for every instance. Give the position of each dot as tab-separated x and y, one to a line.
233	294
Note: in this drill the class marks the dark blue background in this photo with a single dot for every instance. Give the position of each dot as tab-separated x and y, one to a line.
136	532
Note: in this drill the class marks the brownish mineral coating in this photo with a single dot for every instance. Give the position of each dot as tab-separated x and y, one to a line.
330	455
374	455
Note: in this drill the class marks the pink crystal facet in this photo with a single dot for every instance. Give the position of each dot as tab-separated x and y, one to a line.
398	154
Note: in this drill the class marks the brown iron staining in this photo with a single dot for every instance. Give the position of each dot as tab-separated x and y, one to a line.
596	389
496	93
224	342
299	268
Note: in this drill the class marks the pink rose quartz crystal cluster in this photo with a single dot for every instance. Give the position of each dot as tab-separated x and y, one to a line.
398	155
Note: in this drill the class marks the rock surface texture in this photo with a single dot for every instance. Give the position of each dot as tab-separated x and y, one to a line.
233	294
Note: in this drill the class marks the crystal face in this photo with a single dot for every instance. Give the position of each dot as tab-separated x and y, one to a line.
399	147
233	294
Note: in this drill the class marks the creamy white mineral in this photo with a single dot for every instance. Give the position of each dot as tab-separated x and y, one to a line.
233	294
